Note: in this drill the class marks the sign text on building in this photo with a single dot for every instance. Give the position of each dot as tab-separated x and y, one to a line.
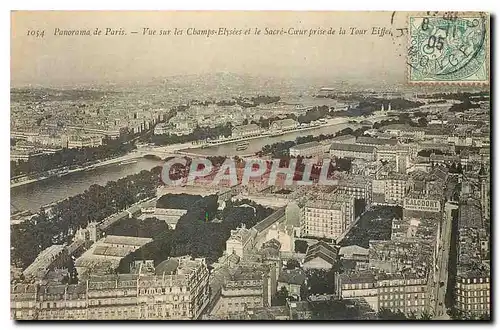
422	205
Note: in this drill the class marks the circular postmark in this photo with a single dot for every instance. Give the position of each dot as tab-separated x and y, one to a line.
446	47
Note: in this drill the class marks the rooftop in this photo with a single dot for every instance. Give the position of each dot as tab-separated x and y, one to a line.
352	147
322	250
358	277
278	215
44	259
126	240
292	276
307	145
323	204
366	140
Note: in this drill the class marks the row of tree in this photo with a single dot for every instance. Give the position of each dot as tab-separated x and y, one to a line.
198	133
195	233
96	203
281	149
70	158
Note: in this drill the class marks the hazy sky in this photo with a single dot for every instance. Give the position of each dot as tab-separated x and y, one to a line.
74	59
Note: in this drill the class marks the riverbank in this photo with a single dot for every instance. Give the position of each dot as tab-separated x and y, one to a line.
329	122
128	157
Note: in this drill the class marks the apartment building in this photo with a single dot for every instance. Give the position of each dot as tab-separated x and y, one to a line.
473	292
393	291
323	219
176	289
341	150
310	149
246	131
247	286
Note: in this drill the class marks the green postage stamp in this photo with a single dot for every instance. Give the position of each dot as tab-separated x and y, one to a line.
450	48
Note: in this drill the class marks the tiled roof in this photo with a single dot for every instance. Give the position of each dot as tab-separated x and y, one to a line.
352	147
375	141
322	250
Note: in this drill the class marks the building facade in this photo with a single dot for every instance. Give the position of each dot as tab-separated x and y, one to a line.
175	289
323	219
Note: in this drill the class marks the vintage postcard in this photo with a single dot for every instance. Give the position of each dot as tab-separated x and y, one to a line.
250	165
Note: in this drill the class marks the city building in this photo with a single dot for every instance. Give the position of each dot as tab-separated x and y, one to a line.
310	149
359	187
371	141
358	285
345	139
341	150
104	256
246	131
170	216
240	241
355	253
320	256
55	256
406	293
283	125
176	289
245	287
292	280
390	189
391	291
473	292
323	219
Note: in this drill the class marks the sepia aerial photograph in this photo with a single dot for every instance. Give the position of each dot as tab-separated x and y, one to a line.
250	165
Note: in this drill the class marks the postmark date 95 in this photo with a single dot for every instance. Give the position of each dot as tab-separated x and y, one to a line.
448	47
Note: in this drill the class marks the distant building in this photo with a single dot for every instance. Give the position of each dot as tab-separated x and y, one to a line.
310	149
341	150
360	187
283	125
371	141
400	155
246	131
90	233
104	255
391	189
344	139
75	141
163	128
402	130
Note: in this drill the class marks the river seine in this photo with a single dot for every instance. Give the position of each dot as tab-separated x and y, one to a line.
34	195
